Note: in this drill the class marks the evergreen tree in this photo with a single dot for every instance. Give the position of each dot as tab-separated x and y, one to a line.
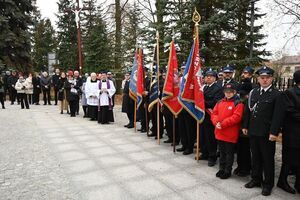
67	52
43	43
98	50
15	19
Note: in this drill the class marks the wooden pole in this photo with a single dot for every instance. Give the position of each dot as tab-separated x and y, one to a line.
174	135
134	116
157	73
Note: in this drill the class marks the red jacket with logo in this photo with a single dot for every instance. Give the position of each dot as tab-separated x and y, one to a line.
230	117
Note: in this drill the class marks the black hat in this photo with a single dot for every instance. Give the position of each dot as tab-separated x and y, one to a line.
248	69
210	72
297	76
229	86
228	69
265	71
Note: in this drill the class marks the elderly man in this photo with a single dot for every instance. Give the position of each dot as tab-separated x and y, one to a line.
258	117
45	82
92	96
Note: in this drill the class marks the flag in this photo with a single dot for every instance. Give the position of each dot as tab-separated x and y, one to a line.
140	79
171	87
133	79
191	88
154	90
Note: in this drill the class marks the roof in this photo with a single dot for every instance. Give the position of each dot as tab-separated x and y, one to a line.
289	60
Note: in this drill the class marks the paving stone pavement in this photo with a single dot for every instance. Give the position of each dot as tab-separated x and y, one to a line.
46	155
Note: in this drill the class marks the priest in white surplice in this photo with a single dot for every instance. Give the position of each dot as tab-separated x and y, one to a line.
107	90
92	96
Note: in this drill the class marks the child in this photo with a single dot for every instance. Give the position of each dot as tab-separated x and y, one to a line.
226	117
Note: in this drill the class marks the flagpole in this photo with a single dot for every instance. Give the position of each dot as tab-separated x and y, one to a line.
134	116
174	133
196	20
157	74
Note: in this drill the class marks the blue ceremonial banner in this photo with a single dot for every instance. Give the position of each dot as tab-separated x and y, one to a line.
153	98
189	105
133	79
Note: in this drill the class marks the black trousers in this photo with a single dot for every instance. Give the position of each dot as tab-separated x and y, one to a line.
182	129
143	118
190	128
169	125
226	155
56	95
12	95
263	152
154	121
36	96
208	140
73	106
244	154
23	100
85	108
93	112
46	96
2	99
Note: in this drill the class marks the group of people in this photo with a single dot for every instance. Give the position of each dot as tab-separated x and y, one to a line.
240	117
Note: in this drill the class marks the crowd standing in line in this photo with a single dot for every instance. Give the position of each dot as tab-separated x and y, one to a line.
242	118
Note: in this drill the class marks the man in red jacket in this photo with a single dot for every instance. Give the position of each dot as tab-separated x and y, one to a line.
227	117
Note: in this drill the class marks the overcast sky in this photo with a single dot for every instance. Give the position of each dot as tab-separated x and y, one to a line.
277	33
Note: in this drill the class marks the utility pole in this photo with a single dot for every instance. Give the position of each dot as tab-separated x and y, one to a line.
252	29
77	10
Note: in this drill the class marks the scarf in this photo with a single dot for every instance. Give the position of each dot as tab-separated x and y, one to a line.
109	99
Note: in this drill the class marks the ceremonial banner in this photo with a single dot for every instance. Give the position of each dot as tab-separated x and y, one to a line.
171	87
140	79
133	79
154	90
191	90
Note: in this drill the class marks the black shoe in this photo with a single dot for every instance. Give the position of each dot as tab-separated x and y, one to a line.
187	152
73	115
130	126
11	103
211	163
225	175
152	135
181	149
77	113
266	191
203	157
126	125
286	187
45	104
253	184
219	173
168	141
243	173
143	131
3	107
61	112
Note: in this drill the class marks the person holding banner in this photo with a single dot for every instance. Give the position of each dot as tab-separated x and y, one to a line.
212	94
128	103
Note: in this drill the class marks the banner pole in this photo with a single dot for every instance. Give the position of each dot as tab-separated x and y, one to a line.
134	116
157	74
174	133
198	141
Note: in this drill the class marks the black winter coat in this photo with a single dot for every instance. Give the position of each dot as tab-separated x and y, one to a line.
127	103
259	111
71	96
287	117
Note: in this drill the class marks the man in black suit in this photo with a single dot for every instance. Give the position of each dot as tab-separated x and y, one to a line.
212	94
257	120
243	146
227	76
55	79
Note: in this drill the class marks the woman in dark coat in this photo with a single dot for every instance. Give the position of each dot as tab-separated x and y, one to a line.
62	93
72	93
287	112
128	103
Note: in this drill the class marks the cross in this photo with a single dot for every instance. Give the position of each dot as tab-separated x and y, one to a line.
77	10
